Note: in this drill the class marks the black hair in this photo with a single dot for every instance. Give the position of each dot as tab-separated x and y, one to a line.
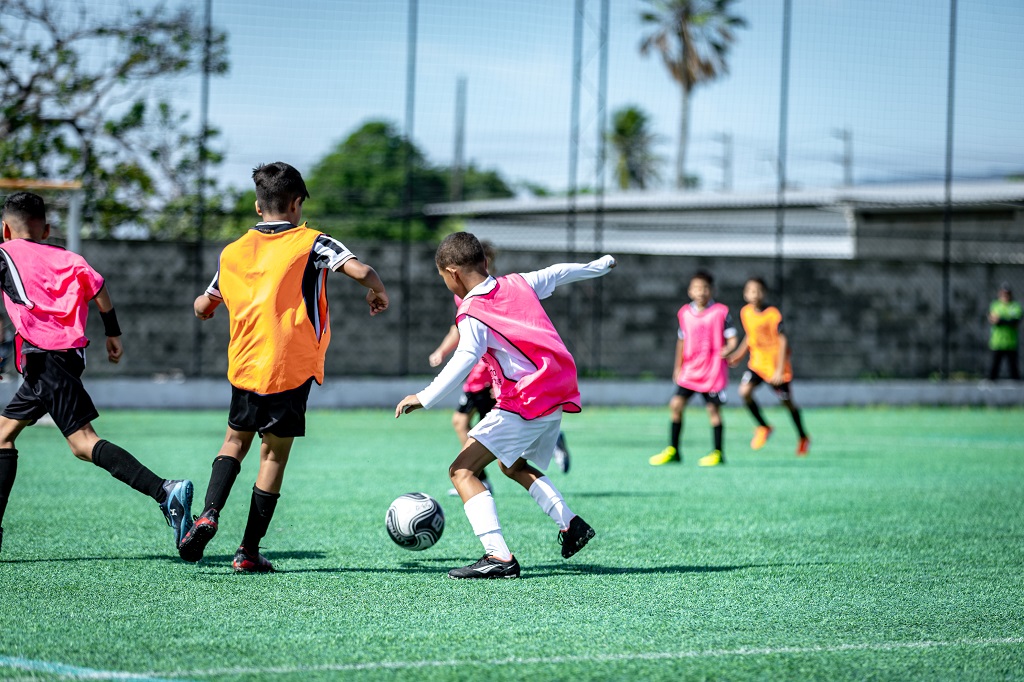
25	206
489	252
460	249
759	282
277	186
704	275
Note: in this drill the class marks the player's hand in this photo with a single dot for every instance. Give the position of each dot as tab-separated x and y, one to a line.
732	360
408	404
436	358
114	349
378	301
203	315
776	379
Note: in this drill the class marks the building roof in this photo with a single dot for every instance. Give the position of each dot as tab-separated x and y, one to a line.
877	196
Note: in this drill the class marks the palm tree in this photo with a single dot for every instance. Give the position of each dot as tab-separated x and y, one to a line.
693	39
631	137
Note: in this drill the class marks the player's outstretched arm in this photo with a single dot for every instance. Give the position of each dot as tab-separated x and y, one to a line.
376	297
408	404
449	343
110	327
205	305
737	355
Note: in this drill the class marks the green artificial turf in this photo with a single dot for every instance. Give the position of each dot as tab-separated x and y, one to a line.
893	551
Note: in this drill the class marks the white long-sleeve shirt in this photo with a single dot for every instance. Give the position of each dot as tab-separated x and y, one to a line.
475	337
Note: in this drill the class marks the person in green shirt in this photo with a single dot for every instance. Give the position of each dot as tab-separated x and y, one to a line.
1005	315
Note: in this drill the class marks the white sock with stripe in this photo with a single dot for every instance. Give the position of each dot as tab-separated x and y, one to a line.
551	501
483	517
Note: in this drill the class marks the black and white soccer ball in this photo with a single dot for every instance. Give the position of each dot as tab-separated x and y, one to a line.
415	521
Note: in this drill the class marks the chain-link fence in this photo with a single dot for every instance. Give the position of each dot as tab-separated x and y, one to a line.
863	158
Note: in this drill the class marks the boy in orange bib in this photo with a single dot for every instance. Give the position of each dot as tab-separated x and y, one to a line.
769	362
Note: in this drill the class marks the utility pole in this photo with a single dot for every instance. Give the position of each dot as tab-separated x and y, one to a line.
458	155
845	135
726	160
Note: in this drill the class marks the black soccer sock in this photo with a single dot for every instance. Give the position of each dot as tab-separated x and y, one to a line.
120	464
674	433
717	430
225	470
755	411
8	470
798	422
261	511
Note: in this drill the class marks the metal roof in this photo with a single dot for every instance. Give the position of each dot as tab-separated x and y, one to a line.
892	196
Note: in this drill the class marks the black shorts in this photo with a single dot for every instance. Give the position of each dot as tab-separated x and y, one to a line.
281	414
711	397
53	385
754	379
481	402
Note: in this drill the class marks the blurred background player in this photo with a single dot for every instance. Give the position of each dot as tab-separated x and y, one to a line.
1004	340
478	398
769	362
502	320
47	290
706	337
273	282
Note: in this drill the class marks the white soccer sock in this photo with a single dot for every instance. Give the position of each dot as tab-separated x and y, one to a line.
483	517
551	501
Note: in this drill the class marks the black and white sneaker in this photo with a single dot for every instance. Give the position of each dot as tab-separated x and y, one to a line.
562	454
575	537
487	567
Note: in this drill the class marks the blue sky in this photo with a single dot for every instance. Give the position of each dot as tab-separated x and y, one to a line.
304	77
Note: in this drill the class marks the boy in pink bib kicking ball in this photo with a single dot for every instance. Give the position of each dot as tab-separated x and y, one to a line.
534	377
706	338
46	293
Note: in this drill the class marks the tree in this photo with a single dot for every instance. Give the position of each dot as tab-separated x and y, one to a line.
693	39
358	189
636	164
80	99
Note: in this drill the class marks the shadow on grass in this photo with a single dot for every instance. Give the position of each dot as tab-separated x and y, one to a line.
440	565
627	493
170	558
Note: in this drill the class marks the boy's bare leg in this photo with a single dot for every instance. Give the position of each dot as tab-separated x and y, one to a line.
274	453
460	423
465	470
481	513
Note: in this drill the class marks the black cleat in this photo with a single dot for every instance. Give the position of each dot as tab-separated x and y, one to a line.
195	540
487	567
251	563
576	537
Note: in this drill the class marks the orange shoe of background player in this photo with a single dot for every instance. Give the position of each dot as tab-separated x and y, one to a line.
761	434
803	446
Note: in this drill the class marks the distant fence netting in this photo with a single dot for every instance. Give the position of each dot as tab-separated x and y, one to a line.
872	181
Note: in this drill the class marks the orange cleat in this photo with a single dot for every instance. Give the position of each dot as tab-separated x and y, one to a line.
803	446
761	434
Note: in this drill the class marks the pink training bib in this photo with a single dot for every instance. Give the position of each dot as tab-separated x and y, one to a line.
52	288
513	312
704	369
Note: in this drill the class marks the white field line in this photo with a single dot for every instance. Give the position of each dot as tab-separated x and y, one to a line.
73	672
594	658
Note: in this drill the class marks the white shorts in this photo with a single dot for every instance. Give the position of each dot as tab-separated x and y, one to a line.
510	437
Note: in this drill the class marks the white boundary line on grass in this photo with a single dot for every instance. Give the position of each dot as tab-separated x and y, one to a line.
74	672
595	658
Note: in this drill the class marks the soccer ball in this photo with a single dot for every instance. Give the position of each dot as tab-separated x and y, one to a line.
415	521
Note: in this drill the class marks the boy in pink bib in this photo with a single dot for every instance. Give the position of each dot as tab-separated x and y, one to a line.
46	293
534	381
706	338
